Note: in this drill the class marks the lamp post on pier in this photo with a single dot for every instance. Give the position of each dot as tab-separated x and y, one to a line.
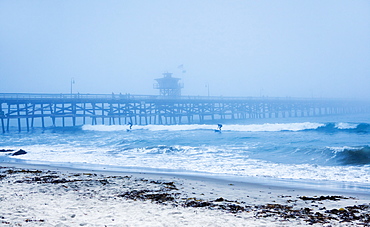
72	82
207	86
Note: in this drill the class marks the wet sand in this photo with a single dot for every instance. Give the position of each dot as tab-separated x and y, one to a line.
38	195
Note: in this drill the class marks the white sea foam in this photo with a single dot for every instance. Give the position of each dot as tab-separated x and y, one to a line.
276	127
343	148
196	159
232	127
343	125
146	127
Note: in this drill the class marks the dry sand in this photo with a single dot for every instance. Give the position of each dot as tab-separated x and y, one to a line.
50	196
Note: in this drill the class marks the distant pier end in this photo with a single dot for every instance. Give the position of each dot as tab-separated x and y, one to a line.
169	86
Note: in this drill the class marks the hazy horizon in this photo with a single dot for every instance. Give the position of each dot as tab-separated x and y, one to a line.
237	48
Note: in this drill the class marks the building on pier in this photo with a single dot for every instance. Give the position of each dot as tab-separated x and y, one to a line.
168	85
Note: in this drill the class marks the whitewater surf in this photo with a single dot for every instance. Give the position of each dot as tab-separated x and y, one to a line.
325	151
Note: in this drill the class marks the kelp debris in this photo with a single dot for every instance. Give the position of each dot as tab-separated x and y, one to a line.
6	150
154	195
321	198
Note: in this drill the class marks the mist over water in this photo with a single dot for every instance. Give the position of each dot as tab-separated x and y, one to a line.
316	49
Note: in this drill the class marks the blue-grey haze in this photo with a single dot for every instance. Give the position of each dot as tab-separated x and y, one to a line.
238	48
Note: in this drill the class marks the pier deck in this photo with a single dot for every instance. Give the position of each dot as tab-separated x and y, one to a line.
28	110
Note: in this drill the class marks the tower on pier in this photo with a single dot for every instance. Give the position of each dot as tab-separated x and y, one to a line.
168	85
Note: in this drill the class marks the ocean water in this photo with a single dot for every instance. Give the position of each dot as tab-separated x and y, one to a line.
326	152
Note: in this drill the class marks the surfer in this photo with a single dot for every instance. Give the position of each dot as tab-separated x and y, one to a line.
130	126
219	126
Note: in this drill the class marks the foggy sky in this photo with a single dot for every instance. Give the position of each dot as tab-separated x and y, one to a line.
239	48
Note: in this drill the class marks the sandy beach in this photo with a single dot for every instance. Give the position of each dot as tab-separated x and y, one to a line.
49	196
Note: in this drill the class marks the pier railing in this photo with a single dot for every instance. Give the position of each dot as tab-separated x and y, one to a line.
45	96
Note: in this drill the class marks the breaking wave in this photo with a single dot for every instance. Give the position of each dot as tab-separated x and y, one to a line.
345	127
352	155
234	127
320	127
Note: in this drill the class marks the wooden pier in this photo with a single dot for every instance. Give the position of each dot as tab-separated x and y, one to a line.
27	111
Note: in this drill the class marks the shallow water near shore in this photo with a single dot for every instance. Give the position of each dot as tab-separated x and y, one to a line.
325	152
